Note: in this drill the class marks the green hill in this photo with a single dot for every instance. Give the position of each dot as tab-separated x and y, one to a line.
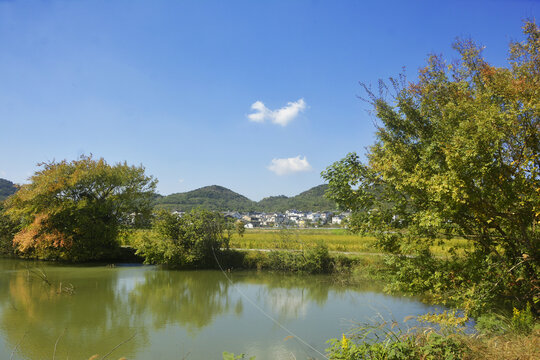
218	198
310	200
7	188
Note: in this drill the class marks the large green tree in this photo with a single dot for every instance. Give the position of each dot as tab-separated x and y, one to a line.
75	210
457	153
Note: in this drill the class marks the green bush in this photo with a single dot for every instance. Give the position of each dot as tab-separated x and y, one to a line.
190	241
317	260
380	343
523	321
475	283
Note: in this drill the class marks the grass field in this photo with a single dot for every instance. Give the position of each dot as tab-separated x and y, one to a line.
298	239
336	240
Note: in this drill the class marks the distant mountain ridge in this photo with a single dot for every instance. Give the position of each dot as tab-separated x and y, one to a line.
214	197
7	188
219	198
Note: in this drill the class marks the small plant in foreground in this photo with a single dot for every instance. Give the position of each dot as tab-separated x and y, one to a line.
381	342
523	320
231	356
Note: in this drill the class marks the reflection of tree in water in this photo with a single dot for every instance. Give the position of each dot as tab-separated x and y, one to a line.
109	304
93	320
191	299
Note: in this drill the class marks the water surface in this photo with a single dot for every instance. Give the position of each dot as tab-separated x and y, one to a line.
166	314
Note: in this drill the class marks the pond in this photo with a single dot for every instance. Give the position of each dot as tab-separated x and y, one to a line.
144	312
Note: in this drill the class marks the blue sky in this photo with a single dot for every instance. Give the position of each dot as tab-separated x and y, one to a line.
171	84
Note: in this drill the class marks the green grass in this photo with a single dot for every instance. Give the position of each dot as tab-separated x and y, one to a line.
335	239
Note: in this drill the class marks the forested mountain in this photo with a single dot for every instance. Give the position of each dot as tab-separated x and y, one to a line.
219	198
310	200
213	197
6	189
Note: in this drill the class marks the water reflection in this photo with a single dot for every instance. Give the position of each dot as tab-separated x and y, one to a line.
93	320
174	312
191	299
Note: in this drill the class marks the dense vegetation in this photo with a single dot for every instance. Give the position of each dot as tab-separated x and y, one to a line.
213	198
190	241
218	198
76	210
310	200
457	153
7	188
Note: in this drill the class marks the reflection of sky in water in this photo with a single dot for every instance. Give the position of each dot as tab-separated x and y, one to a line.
288	303
127	282
192	314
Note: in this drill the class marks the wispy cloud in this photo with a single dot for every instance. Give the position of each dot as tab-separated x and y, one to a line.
289	165
281	116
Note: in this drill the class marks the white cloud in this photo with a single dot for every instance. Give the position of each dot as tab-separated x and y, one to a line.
180	180
281	116
289	165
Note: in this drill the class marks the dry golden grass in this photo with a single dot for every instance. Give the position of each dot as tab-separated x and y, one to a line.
507	347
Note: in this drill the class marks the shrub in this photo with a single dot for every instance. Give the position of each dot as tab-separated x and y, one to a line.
192	240
379	342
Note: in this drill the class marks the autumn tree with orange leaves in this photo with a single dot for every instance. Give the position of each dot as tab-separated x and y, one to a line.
75	210
457	154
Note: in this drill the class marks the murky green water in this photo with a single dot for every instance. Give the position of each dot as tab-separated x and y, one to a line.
177	314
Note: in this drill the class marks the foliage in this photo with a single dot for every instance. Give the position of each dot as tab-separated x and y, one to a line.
476	283
7	188
240	227
314	260
446	319
310	200
191	240
8	229
445	339
523	321
396	345
75	210
213	198
457	153
231	356
218	198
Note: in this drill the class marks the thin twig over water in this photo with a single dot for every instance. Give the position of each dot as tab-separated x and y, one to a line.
117	346
16	346
56	344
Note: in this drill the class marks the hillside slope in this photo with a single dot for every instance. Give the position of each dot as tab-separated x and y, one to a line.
7	188
310	200
214	197
219	198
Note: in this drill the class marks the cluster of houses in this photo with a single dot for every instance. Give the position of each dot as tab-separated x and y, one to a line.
292	218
